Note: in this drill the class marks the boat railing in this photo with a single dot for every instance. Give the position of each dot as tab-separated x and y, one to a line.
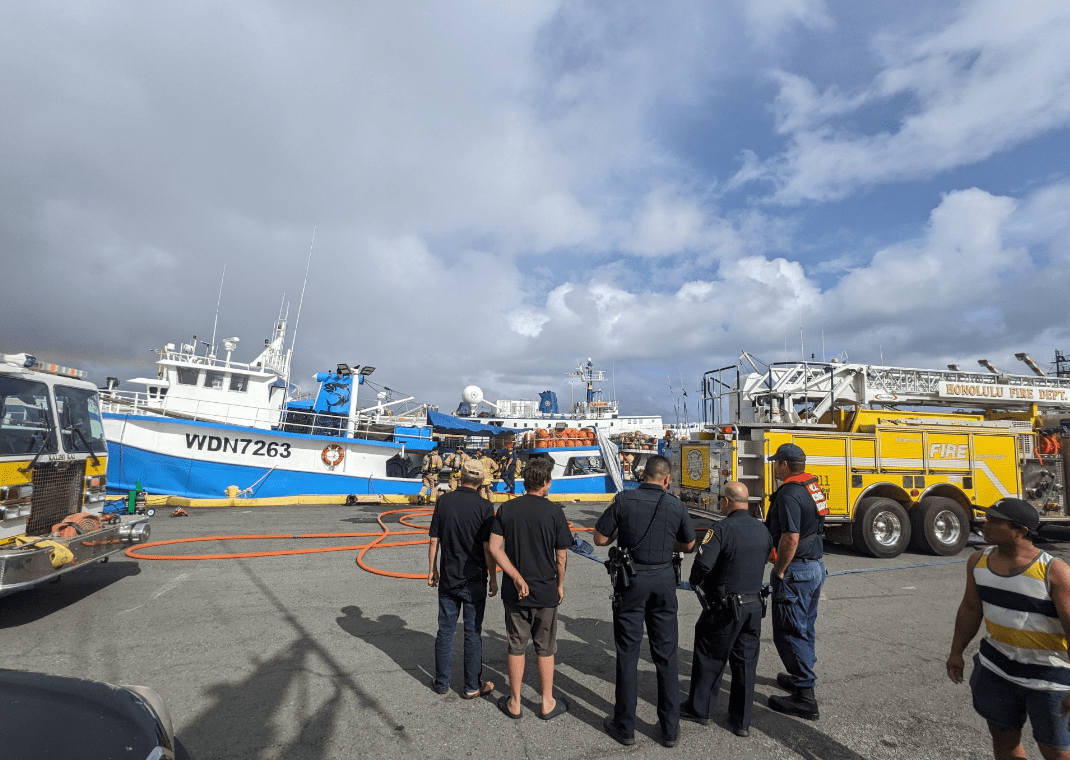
195	410
274	364
290	421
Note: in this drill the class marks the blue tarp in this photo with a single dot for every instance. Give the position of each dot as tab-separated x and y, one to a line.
446	423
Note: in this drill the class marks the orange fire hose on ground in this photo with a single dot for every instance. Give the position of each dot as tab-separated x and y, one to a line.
406	517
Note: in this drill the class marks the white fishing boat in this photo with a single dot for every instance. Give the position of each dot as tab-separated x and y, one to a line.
585	463
206	427
593	410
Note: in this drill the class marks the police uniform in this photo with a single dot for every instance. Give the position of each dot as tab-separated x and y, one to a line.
509	472
431	467
729	570
651	598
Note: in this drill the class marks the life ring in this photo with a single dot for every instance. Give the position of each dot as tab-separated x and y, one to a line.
333	455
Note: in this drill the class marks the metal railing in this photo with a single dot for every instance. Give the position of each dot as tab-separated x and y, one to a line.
374	428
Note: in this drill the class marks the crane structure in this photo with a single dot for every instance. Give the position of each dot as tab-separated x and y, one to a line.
799	393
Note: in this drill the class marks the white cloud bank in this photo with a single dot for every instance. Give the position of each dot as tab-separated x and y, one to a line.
949	295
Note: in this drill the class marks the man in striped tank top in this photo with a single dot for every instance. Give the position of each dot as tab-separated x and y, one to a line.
1022	595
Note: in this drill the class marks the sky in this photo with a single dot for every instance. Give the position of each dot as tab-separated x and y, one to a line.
490	193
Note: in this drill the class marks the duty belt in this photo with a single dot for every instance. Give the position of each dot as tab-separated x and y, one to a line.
646	566
744	598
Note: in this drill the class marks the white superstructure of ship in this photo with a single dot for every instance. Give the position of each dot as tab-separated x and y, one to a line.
593	410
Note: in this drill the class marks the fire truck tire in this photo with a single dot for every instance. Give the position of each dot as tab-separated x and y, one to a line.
881	528
939	526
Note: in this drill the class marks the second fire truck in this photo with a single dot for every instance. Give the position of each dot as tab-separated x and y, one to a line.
903	455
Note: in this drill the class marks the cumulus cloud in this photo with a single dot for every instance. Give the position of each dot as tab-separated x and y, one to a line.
917	302
995	76
499	190
767	20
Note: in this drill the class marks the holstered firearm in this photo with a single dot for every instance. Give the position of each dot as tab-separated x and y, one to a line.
678	566
703	601
620	567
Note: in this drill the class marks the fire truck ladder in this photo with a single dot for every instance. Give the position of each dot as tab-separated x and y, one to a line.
800	392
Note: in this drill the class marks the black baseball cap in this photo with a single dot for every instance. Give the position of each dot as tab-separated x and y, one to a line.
1017	511
788	452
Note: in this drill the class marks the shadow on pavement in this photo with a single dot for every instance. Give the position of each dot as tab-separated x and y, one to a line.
412	651
70	588
240	721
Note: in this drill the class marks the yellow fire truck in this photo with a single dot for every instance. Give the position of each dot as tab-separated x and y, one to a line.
903	455
53	467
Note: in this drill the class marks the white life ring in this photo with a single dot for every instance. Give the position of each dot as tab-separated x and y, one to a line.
333	455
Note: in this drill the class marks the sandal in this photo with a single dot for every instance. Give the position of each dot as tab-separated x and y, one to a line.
503	705
559	708
485	688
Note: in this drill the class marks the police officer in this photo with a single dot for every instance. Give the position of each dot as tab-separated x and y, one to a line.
456	461
510	469
431	467
652	524
727	575
796	517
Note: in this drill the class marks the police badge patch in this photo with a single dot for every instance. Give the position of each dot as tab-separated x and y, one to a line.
707	537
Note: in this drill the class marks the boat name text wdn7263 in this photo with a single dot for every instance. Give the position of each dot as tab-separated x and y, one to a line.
260	448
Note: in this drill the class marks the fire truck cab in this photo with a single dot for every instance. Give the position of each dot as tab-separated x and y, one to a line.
53	465
903	455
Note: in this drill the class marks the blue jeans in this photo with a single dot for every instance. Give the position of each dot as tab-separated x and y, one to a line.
795	601
473	598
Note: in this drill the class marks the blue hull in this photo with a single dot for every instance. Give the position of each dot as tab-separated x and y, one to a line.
198	479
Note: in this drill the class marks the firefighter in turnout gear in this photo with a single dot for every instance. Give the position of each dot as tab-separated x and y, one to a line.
432	466
490	471
456	460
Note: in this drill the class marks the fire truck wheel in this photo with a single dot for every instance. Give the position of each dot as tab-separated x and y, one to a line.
940	526
881	528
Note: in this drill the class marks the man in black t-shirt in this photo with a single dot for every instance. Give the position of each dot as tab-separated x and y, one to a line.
529	540
795	520
460	526
653	524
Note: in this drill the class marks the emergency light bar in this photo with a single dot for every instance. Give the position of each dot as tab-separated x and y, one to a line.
56	369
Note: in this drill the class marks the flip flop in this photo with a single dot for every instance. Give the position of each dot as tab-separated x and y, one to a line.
560	708
485	688
503	705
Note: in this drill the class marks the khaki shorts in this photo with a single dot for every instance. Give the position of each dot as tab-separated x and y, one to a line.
540	625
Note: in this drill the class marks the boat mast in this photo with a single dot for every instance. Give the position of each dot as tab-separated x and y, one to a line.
297	322
218	300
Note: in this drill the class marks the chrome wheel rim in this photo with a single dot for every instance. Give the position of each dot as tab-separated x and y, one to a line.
887	530
946	527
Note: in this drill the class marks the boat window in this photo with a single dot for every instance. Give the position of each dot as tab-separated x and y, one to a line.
26	425
213	380
239	383
79	420
187	376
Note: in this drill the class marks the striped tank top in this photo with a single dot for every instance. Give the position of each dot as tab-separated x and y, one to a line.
1025	642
